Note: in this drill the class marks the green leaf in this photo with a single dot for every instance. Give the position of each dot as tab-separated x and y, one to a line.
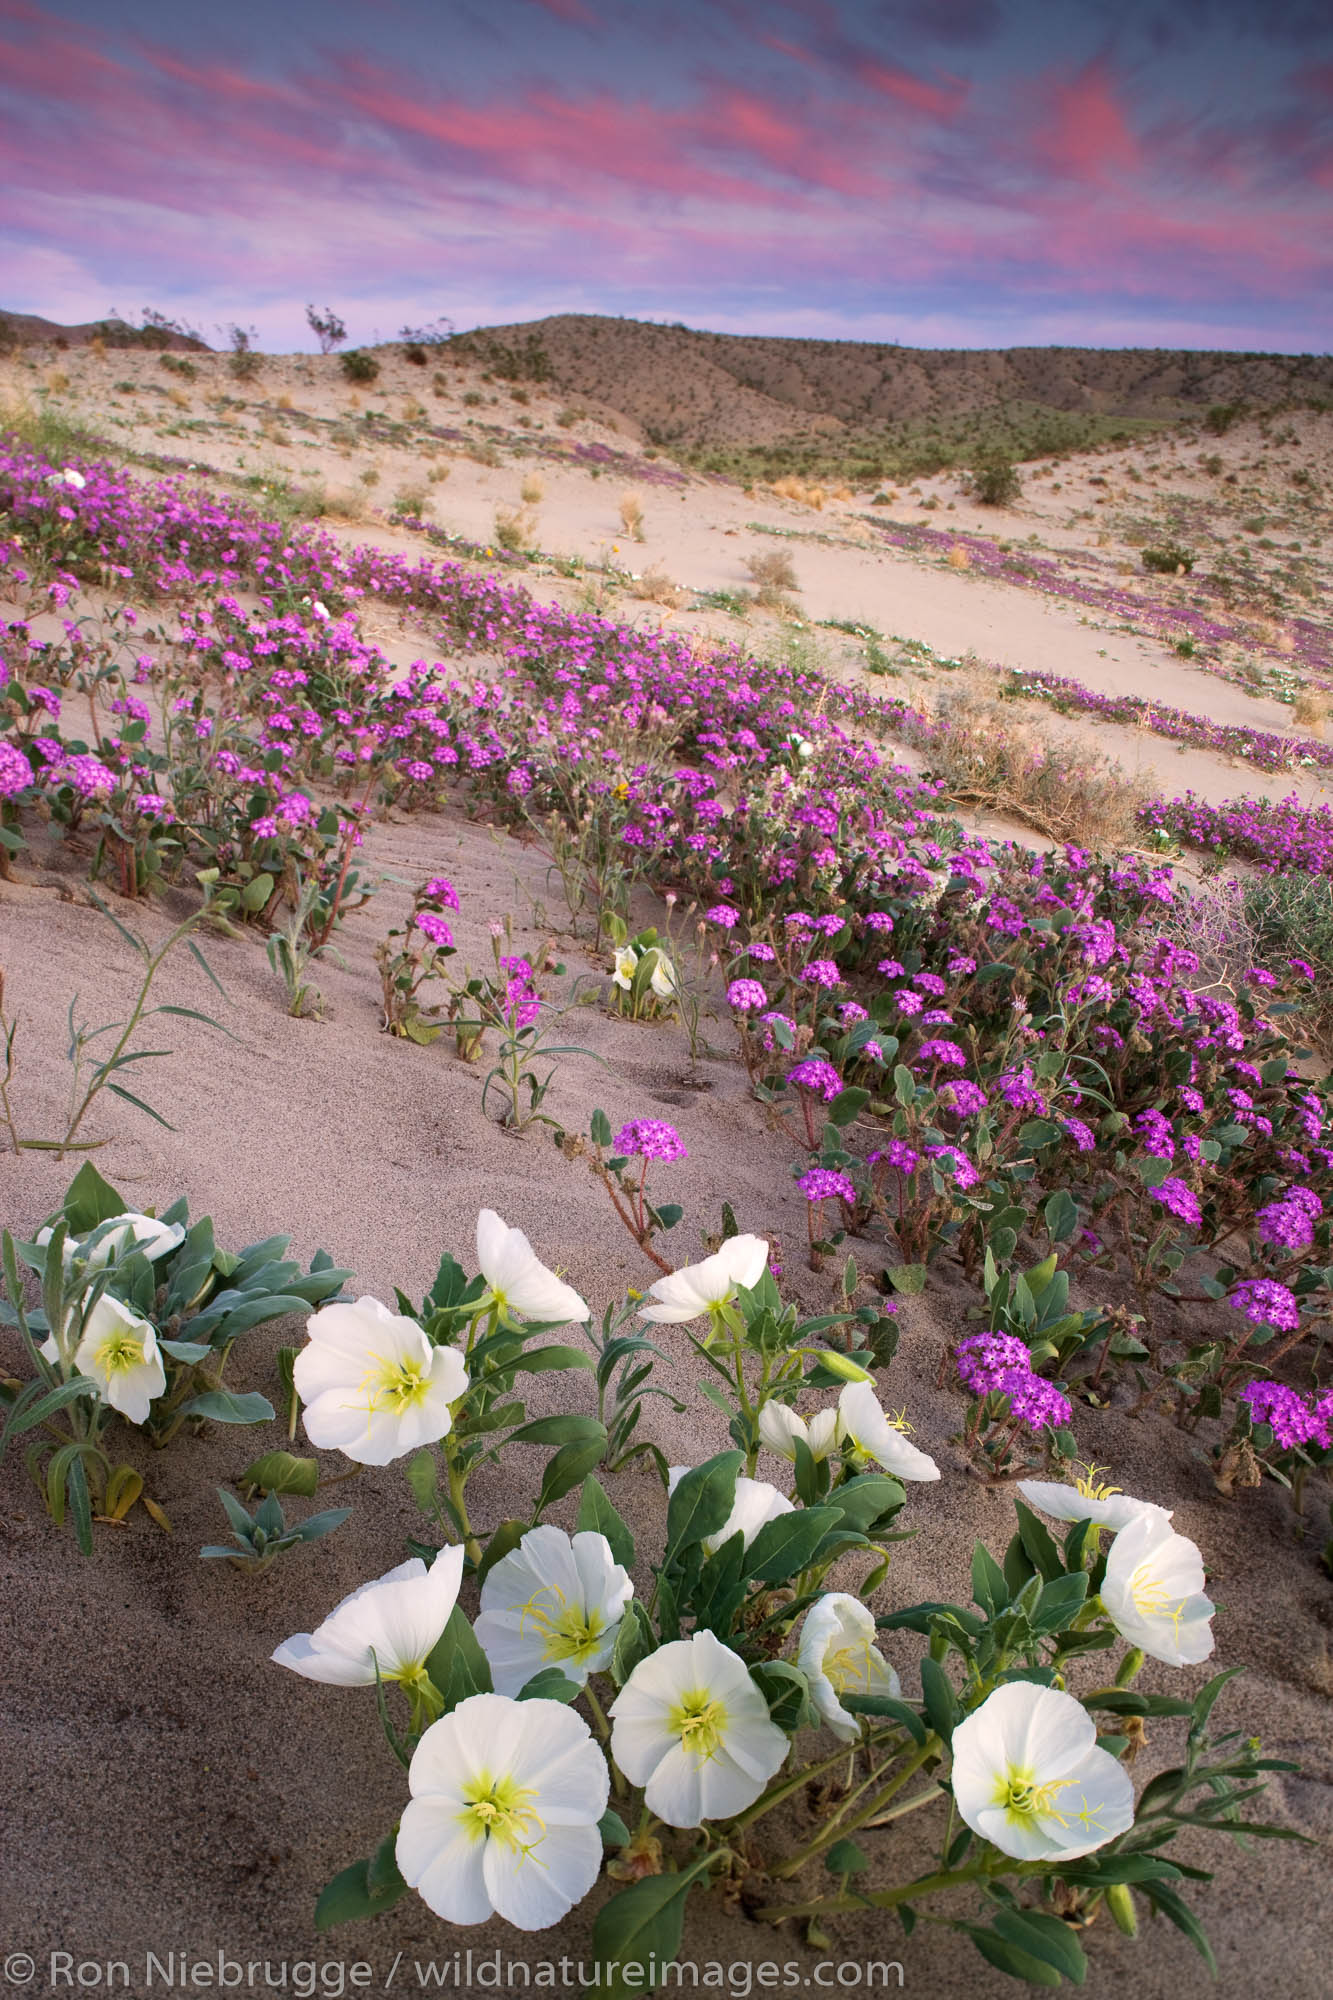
613	1830
599	1515
349	1896
456	1664
909	1280
559	1430
187	1351
887	1705
847	1106
1045	1938
787	1692
1061	1216
989	1587
1174	1908
635	1640
1038	1543
90	1200
119	1090
24	1419
703	1499
786	1545
642	1926
224	1406
423	1477
542	1360
80	1508
256	893
600	1129
1009	1958
846	1858
1060	1602
568	1467
505	1538
549	1684
282	1472
941	1703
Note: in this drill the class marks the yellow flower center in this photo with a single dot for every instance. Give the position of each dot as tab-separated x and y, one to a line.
569	1631
700	1721
397	1386
848	1666
1087	1484
1023	1798
498	1809
119	1352
1150	1596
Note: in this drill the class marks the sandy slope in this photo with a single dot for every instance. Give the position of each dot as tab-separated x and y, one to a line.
170	1789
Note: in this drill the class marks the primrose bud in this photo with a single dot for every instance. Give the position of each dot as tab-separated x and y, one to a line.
840	1365
1121	1905
1130	1668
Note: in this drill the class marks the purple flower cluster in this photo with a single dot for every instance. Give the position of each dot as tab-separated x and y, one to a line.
826	1184
746	996
817	1076
1293	1421
652	1138
1289	1224
1000	1363
1266	1303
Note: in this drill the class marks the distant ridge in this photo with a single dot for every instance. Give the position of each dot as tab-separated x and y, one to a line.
736	394
30	330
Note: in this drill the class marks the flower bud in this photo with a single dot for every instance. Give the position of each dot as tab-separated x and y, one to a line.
1120	1903
1130	1668
838	1364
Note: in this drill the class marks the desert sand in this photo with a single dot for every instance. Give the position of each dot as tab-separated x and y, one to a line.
169	1789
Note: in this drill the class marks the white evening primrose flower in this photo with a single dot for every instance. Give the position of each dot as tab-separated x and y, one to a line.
780	1427
622	967
692	1728
872	1434
118	1351
663	980
1153	1593
755	1505
1088	1500
395	1622
1028	1776
69	477
118	1236
517	1279
837	1656
506	1796
554	1601
373	1386
707	1287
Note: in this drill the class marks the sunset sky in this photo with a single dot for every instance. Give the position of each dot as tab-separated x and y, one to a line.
939	172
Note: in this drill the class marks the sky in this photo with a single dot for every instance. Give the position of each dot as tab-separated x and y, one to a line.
940	173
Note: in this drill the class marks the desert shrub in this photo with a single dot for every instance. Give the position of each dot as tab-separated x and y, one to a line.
514	528
772	569
1051	783
1290	922
327	328
1168	559
1221	416
994	480
656	587
533	489
631	515
358	366
416	354
178	365
244	359
472	399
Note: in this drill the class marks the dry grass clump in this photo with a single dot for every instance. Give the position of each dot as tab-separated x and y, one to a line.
631	515
346	504
774	579
805	493
533	489
515	528
656	587
411	499
1048	782
958	557
1310	708
57	381
178	399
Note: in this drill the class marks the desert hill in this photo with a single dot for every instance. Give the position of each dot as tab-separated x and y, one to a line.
727	399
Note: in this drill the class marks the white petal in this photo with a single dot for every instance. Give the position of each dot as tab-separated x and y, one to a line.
533	1888
443	1862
